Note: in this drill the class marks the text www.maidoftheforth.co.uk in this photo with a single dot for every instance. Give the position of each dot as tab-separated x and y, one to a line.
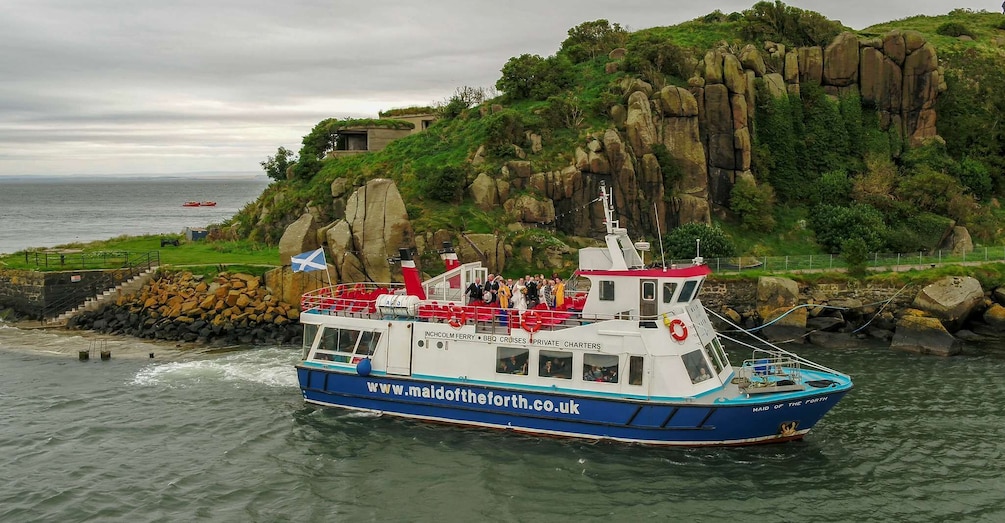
468	396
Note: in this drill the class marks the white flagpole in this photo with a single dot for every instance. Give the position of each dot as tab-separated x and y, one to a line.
323	257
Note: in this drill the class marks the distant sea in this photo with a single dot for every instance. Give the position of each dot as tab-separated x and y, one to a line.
45	211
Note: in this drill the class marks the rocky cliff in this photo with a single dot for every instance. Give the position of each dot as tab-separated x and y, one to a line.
671	155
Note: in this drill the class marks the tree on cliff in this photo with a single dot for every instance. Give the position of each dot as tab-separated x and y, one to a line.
589	39
532	77
276	166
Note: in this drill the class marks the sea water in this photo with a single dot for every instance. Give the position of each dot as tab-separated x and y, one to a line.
48	211
194	434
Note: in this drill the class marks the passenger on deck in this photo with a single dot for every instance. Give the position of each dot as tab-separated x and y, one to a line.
559	294
520	295
504	292
474	292
533	295
491	290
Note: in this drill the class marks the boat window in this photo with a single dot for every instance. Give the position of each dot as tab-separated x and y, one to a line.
511	360
310	332
635	370
669	288
648	290
368	343
720	351
713	356
554	364
600	367
347	340
606	290
687	291
338	345
697	368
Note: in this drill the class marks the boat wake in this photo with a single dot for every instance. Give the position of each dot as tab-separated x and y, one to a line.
271	367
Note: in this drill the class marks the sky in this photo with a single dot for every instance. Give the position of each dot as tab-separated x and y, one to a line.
178	86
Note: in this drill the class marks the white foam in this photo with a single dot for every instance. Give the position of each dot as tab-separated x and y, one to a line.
271	367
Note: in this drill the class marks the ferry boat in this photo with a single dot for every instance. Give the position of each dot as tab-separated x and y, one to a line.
632	358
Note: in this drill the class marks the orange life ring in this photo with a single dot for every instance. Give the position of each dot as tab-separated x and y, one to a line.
678	330
458	316
531	321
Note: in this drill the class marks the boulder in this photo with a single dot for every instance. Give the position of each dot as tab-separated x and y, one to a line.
299	237
791	70
894	46
677	101
732	74
289	286
775	84
639	124
777	297
486	248
379	222
995	317
958	241
950	300
924	335
617	53
528	209
841	60
750	58
811	64
484	191
713	67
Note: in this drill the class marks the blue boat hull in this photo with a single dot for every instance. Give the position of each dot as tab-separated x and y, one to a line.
637	421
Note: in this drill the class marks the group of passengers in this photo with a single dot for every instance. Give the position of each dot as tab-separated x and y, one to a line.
512	366
596	373
526	293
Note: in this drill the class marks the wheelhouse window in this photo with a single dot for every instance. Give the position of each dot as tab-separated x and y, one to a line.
713	356
697	368
649	290
687	291
635	370
310	332
346	345
600	367
720	351
512	360
606	290
669	288
554	364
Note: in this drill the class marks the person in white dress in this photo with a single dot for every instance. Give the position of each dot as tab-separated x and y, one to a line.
520	295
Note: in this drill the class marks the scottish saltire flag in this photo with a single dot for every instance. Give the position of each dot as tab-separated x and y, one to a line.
309	261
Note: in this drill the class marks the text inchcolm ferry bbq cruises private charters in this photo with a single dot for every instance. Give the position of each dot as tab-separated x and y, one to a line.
632	359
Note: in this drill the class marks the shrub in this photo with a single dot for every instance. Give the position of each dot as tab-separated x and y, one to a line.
680	242
653	53
974	175
953	29
505	128
855	253
530	77
920	232
834	188
790	25
275	167
672	172
444	183
753	204
588	40
834	224
928	190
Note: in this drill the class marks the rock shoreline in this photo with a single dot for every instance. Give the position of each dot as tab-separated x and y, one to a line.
935	319
179	306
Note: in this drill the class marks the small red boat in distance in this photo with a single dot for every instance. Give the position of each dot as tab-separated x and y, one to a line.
190	204
207	204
